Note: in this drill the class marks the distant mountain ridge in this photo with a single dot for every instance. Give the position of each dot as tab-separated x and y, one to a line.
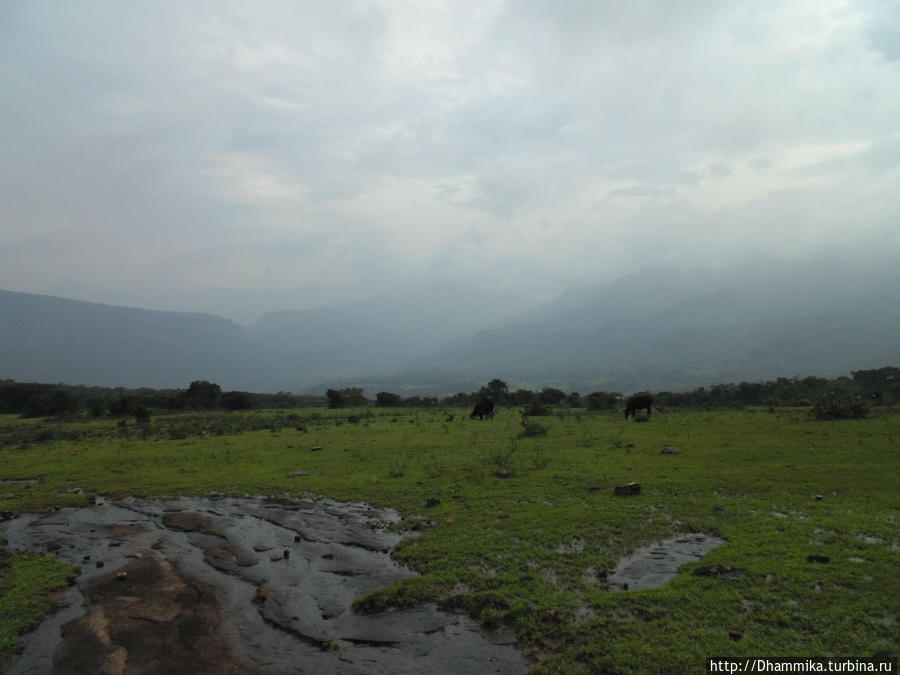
50	339
664	328
659	328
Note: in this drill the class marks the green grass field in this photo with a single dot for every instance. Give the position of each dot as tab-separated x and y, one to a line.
531	548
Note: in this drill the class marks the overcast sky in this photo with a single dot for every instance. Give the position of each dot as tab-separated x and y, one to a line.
152	151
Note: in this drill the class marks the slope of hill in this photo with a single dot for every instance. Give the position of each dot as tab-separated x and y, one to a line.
43	338
667	329
655	329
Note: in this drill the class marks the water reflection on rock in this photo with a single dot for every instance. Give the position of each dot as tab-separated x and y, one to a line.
654	565
283	575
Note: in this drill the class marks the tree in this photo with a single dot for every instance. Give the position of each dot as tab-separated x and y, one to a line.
459	400
346	398
203	395
96	407
58	402
601	400
497	390
386	399
522	397
122	406
239	400
335	398
552	396
420	402
880	384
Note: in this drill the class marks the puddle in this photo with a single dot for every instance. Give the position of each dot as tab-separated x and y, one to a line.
277	578
656	564
572	547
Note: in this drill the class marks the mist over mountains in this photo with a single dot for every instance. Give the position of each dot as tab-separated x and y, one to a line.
659	328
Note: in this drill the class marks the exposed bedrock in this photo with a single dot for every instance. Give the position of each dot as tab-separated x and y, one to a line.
232	585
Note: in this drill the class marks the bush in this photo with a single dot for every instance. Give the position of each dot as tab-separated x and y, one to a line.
239	400
352	397
838	405
601	400
387	399
123	406
530	429
536	409
96	407
57	402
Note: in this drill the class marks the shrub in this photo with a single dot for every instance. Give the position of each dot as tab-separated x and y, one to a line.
530	429
239	400
96	407
122	406
387	399
536	409
838	405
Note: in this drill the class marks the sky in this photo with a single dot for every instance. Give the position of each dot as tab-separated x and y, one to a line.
188	155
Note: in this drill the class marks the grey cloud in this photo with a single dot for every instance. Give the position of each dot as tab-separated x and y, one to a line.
720	170
639	191
215	144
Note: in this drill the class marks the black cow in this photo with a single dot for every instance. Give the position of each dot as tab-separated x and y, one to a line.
638	402
483	409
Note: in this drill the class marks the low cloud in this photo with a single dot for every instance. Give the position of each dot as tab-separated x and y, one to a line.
170	150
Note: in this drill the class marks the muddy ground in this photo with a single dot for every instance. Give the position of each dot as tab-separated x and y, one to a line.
654	565
234	586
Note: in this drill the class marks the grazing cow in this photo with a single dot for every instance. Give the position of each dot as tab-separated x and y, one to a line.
638	402
484	408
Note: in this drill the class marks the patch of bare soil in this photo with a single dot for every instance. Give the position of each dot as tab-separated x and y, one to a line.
147	618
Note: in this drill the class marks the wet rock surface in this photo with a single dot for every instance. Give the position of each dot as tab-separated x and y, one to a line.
232	585
148	614
656	564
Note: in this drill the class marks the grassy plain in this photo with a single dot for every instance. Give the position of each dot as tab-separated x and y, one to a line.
526	527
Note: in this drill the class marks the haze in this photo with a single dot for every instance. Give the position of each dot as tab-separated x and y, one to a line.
240	157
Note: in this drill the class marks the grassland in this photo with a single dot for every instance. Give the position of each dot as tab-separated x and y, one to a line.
527	526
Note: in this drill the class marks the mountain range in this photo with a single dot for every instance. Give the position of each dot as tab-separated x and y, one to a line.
658	328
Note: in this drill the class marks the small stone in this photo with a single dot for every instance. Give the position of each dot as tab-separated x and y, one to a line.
720	571
432	502
669	450
628	489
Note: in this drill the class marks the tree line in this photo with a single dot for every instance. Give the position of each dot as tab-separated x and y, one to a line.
29	399
875	387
